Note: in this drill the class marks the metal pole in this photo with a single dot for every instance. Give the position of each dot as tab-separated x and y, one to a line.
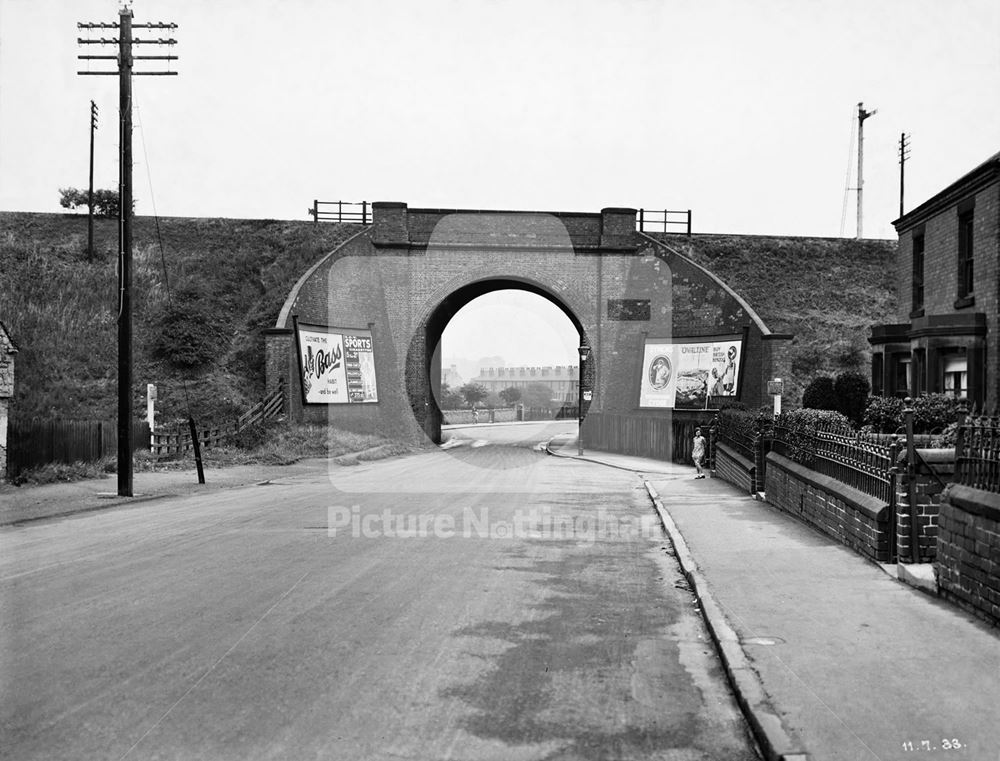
861	158
862	115
911	482
125	253
579	408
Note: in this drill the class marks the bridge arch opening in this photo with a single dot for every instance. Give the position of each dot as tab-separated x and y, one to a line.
424	363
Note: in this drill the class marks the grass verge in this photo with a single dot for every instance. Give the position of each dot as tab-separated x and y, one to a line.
272	444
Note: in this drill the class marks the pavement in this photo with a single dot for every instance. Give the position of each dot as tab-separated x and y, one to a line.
832	657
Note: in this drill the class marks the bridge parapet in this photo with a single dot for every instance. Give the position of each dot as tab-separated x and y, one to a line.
398	226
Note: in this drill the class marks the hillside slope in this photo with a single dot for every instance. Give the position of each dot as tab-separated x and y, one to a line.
228	279
827	292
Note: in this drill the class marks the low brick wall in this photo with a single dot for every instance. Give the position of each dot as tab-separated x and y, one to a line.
852	517
464	417
933	470
968	550
734	468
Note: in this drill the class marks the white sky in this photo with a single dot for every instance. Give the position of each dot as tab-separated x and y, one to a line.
741	111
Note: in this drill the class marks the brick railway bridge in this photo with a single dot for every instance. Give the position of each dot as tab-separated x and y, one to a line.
401	279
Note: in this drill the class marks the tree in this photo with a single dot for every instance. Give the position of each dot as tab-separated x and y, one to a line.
536	395
510	395
473	392
852	389
450	399
106	202
819	394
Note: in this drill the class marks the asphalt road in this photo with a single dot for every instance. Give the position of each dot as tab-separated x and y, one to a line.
486	601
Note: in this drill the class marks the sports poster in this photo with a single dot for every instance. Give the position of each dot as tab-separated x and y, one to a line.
336	365
687	374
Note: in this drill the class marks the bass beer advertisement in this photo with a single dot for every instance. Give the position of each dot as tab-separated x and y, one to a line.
688	374
337	365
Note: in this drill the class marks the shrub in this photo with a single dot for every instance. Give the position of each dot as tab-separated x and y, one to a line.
820	394
884	413
800	428
933	413
190	330
852	389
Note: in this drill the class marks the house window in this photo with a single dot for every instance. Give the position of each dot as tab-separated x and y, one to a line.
918	272
956	374
965	258
903	375
877	362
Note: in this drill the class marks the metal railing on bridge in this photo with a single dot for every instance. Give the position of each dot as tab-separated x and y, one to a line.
360	212
353	212
657	221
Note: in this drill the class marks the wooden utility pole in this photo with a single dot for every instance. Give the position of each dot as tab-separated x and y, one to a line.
125	60
90	187
904	154
862	115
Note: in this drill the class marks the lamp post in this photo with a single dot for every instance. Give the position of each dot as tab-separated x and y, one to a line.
584	351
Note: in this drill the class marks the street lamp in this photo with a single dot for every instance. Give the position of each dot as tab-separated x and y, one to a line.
584	351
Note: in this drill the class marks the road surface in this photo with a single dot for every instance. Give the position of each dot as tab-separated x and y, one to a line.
483	602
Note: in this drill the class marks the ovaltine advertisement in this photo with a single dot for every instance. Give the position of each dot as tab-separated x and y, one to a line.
686	374
337	364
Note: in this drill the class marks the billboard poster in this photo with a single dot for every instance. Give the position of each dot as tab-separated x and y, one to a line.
337	365
687	374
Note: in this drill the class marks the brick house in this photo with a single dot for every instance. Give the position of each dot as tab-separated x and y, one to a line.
561	379
947	337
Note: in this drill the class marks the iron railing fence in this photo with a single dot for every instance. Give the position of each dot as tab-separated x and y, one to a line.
848	457
977	452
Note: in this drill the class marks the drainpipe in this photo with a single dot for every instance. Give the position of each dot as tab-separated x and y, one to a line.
911	478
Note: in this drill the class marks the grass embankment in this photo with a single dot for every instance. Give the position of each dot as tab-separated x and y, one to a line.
228	279
827	292
273	444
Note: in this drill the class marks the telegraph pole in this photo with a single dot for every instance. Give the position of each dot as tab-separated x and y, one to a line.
90	189
904	154
125	60
862	115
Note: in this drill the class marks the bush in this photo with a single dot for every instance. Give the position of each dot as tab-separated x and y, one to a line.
190	330
852	389
817	420
800	428
932	413
884	413
820	394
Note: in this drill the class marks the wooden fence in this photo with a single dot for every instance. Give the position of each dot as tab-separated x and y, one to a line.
33	443
664	437
178	441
